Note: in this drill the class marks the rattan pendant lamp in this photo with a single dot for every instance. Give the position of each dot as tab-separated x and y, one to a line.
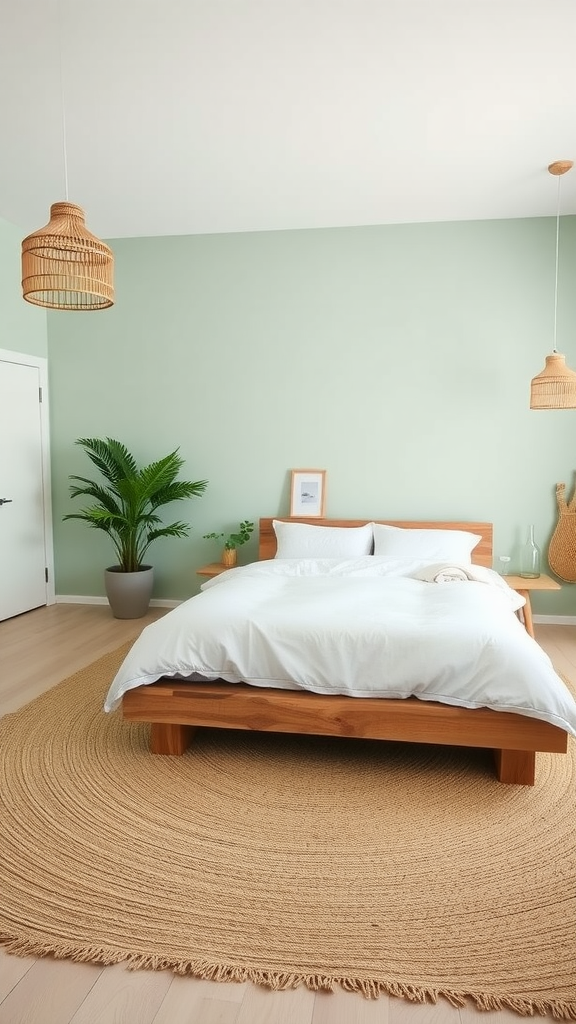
555	386
64	266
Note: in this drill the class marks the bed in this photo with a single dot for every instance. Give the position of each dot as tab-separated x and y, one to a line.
176	707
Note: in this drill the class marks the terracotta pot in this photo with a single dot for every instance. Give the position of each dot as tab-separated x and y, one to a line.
229	557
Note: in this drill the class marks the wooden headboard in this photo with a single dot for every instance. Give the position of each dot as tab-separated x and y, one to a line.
482	554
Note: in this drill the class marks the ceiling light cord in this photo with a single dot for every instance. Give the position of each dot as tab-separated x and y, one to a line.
554	349
62	103
65	153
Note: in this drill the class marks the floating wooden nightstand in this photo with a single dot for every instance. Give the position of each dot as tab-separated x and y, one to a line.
212	569
523	585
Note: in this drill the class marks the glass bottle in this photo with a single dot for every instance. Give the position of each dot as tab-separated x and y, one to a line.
504	565
530	557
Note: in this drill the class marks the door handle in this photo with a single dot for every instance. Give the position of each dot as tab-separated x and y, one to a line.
5	501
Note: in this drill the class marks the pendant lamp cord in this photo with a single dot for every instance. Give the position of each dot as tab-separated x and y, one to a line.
65	154
554	349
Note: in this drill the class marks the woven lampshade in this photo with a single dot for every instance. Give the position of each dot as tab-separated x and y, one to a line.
64	266
555	386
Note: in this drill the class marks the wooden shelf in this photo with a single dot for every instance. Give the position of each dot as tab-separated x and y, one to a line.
212	569
521	583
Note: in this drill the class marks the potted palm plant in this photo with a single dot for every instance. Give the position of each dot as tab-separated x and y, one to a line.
126	503
232	541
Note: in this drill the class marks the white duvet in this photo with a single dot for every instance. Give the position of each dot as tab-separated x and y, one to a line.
366	627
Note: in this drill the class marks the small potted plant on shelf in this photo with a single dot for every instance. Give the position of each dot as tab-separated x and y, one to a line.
232	541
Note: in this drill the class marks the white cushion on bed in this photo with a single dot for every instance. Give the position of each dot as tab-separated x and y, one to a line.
302	540
431	545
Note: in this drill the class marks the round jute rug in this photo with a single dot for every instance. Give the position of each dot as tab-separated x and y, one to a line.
378	867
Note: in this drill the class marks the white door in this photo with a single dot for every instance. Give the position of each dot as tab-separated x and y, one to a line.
25	549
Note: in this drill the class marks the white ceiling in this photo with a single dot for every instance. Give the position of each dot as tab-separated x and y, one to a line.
202	116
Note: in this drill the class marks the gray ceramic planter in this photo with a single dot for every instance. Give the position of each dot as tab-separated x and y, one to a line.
129	593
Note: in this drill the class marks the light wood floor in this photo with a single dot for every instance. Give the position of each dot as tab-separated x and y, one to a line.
37	651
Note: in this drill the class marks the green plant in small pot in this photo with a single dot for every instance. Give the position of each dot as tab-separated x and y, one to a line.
126	503
232	541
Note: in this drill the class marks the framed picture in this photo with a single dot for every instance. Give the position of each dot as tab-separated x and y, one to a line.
308	492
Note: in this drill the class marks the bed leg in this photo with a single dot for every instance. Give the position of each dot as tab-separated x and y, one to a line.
168	738
516	766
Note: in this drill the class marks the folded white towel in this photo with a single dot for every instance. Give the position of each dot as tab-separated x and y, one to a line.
452	575
446	573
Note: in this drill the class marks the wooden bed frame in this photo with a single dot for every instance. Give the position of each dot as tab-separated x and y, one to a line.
175	709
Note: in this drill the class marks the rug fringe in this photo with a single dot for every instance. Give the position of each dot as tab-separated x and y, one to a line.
281	980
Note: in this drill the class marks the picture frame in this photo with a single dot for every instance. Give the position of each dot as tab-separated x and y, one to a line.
308	493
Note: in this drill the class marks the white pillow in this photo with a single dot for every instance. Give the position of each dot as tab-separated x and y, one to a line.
430	545
302	540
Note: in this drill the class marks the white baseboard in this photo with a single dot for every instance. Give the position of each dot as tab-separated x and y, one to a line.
85	599
555	620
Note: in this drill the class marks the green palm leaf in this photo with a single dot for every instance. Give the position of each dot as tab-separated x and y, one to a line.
126	503
110	457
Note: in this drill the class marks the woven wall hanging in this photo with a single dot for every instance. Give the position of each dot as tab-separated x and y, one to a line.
562	549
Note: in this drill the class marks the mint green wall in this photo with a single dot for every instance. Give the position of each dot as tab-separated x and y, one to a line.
398	358
22	326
